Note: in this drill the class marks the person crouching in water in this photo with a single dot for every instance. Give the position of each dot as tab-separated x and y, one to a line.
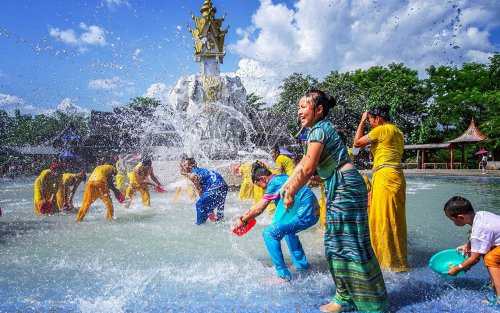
286	222
97	187
45	189
484	241
67	189
211	189
138	181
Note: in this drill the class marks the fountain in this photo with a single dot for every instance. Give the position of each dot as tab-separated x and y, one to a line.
209	108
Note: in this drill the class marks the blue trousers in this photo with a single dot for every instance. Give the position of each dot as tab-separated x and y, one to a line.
210	201
272	238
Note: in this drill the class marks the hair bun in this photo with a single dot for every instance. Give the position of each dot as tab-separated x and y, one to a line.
330	100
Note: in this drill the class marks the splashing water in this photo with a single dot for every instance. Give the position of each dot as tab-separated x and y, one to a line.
157	260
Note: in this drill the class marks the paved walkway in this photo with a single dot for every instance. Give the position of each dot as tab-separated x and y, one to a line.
442	172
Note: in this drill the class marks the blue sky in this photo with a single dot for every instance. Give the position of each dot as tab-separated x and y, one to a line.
97	54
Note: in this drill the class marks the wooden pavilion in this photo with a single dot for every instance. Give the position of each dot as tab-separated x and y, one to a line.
470	136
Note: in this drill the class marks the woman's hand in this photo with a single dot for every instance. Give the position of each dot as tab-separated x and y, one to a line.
288	199
364	117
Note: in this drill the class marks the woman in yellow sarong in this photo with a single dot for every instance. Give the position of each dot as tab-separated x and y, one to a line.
45	189
138	181
66	191
246	186
387	212
97	187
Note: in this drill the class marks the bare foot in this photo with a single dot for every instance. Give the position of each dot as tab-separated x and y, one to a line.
331	307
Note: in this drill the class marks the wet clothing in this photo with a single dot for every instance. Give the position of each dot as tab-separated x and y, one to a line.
246	186
248	190
485	233
355	270
284	165
121	175
97	188
287	223
213	194
135	185
66	187
44	191
387	211
492	258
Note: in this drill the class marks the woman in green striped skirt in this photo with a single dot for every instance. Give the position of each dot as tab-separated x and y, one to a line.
355	270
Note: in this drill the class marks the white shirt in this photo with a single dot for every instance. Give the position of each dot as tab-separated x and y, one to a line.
485	232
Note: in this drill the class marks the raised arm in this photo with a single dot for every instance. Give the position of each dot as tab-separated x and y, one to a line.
360	139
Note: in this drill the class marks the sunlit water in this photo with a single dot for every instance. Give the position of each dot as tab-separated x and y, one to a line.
157	260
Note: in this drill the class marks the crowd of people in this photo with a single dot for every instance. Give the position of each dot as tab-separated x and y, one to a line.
364	220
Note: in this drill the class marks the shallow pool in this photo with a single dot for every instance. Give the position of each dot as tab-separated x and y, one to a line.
157	260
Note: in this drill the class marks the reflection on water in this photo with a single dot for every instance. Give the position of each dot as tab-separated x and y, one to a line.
157	260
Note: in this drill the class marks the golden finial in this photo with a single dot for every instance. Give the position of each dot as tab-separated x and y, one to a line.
207	9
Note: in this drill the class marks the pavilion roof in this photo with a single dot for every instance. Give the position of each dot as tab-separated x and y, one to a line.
472	134
426	146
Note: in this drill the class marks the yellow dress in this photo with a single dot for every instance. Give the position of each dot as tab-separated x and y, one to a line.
284	165
134	185
246	187
97	188
250	191
121	175
387	212
68	181
44	189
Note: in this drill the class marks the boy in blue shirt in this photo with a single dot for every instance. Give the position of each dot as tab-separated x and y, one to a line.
211	188
286	222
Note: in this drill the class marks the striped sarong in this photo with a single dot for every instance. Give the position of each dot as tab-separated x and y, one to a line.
358	280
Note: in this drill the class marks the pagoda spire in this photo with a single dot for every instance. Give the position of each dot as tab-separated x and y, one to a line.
208	37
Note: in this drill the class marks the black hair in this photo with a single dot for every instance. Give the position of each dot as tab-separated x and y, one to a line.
190	160
382	111
319	97
458	205
275	148
259	170
146	162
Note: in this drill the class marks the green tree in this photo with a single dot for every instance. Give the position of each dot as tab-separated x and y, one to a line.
292	89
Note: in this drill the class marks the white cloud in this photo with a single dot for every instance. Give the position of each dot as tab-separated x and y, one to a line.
317	36
92	35
112	4
68	106
158	91
108	84
11	103
136	56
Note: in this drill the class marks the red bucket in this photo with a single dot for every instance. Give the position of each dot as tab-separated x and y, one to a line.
243	229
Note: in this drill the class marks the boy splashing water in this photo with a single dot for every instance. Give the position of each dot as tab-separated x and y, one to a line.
286	223
484	240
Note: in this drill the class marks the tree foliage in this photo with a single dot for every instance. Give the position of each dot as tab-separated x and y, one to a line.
433	109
